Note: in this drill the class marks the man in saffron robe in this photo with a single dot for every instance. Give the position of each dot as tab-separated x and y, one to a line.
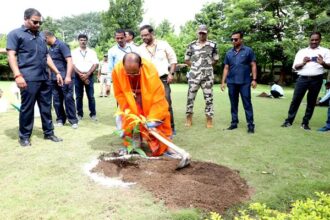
137	87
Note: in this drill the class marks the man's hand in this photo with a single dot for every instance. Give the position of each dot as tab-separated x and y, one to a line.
320	59
84	76
20	82
59	79
223	86
170	78
153	124
254	84
306	60
67	80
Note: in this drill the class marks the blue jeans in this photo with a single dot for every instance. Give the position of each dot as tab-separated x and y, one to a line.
234	90
79	89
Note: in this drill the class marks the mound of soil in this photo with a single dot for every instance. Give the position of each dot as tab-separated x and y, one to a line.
208	186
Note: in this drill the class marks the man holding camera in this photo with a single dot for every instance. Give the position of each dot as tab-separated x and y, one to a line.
309	63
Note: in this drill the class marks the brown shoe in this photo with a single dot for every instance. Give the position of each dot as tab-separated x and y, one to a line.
209	122
188	121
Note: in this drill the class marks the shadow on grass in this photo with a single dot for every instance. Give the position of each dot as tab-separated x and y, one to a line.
107	143
12	133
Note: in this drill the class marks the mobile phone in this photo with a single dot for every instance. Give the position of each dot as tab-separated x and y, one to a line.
314	59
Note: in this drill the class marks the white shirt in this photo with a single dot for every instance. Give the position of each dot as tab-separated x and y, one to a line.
84	59
311	68
277	88
104	67
160	53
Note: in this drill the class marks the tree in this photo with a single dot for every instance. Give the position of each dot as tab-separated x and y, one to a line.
52	25
313	14
87	23
270	28
124	14
164	29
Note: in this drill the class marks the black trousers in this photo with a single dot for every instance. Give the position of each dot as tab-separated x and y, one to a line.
313	86
79	89
40	92
168	98
63	96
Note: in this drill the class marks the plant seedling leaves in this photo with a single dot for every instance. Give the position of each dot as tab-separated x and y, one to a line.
140	152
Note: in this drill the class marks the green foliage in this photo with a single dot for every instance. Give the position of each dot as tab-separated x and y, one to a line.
178	42
313	209
68	28
313	14
125	14
186	214
3	57
52	25
274	29
164	29
214	216
87	23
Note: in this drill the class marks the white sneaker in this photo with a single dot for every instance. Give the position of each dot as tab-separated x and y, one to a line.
59	124
74	126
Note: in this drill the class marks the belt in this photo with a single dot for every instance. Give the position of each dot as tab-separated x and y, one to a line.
312	77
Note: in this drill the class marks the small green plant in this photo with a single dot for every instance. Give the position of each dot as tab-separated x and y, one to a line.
214	216
308	209
136	122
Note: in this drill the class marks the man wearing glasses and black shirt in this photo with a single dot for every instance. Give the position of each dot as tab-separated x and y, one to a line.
28	58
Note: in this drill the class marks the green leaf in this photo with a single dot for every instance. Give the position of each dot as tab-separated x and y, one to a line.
140	152
117	132
129	149
136	129
129	140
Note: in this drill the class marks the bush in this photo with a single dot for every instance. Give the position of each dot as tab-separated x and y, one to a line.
309	209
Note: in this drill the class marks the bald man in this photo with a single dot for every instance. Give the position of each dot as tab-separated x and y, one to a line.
137	87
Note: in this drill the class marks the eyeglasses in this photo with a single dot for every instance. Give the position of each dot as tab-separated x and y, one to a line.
36	22
234	39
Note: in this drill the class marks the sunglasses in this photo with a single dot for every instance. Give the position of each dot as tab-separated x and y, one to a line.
36	22
234	39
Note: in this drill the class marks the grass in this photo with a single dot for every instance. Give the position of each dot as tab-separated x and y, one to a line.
46	181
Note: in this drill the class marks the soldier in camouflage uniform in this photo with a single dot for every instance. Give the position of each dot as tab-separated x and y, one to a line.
201	56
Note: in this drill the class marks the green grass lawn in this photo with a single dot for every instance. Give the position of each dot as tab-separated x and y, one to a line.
47	181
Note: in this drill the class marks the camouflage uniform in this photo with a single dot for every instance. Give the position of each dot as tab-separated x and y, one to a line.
201	74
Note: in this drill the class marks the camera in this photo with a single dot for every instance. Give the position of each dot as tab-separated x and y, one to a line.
314	59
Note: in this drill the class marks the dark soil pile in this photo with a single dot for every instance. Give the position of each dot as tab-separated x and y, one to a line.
202	185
